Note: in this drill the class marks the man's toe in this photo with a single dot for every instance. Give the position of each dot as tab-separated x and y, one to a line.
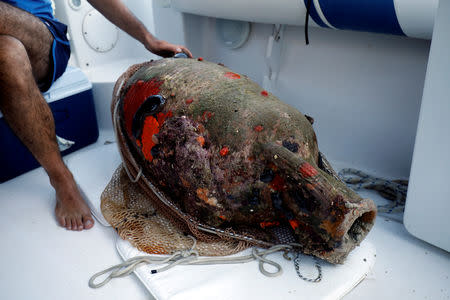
79	224
61	221
88	221
74	224
69	224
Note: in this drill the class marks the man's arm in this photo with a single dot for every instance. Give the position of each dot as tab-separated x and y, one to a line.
116	12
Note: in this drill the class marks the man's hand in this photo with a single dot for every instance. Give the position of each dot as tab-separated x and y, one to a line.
165	49
121	16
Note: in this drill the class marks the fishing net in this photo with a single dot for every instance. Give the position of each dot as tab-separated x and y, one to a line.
141	221
153	223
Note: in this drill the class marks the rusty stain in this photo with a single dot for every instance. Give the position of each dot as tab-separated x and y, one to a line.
201	128
207	115
331	228
185	182
309	186
202	194
277	183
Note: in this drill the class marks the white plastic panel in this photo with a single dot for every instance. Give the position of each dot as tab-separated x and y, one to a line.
288	12
416	17
73	81
84	49
99	33
428	202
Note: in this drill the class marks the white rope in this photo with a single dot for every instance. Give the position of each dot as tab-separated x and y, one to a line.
138	176
191	257
321	14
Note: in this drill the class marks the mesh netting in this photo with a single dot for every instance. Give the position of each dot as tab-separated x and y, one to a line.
143	215
139	220
154	219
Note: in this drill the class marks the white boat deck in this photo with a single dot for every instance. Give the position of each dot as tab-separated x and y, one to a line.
364	86
43	261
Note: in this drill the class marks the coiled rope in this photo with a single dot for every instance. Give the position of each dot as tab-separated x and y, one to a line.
394	190
191	257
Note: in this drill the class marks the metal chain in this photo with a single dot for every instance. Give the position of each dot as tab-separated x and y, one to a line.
317	265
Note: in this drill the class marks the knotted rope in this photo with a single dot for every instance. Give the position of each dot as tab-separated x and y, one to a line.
394	190
191	257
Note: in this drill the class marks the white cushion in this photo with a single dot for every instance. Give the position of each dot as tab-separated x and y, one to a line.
244	281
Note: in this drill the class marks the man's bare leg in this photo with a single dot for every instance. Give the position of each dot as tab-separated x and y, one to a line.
25	44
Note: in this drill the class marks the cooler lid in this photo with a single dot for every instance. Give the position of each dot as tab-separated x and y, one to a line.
72	82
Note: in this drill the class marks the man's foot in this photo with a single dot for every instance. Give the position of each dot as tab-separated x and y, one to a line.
71	210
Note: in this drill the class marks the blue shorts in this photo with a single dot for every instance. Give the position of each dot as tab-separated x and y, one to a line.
60	52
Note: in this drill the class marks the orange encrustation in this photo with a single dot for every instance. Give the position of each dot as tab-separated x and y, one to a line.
224	151
307	170
232	75
201	140
269	224
151	127
259	128
135	96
